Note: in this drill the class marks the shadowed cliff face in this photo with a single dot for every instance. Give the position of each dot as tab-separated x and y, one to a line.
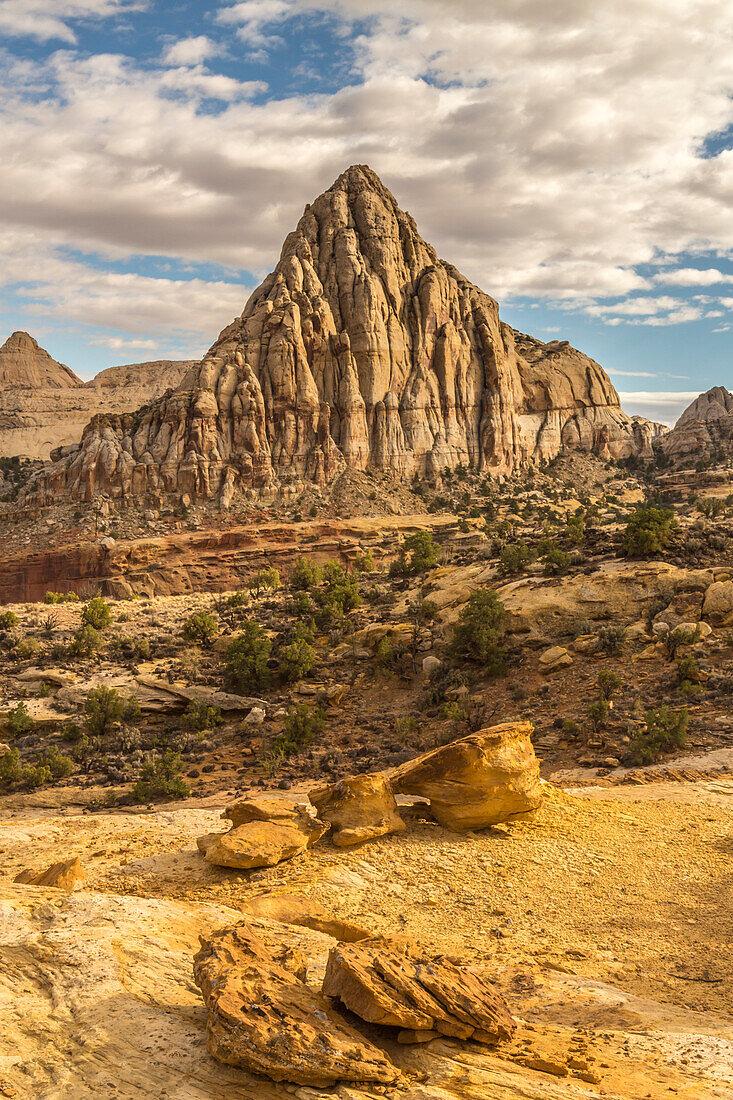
361	349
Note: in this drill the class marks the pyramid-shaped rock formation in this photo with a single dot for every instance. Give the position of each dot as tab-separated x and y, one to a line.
705	427
362	349
26	365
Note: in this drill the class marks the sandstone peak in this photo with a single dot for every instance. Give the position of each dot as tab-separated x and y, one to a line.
25	364
711	405
361	349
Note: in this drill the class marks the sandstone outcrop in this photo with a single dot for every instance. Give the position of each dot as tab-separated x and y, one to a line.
480	780
67	874
26	365
361	349
704	427
44	406
389	981
265	832
358	808
264	1018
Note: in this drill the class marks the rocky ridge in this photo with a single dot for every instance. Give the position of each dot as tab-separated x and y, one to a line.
44	406
361	349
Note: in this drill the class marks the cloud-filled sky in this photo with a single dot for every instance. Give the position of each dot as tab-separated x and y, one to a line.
575	160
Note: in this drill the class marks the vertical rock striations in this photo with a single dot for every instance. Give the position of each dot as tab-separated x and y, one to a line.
361	349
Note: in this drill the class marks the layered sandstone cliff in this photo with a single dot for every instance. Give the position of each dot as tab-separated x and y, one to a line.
41	410
26	365
361	349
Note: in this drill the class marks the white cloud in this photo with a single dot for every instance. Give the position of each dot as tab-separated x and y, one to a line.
662	406
190	51
49	19
633	374
692	276
546	149
120	343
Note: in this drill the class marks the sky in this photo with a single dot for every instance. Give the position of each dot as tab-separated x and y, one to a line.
574	159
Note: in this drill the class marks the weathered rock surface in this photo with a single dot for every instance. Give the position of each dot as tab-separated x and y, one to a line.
480	780
554	658
264	1018
704	426
26	365
387	980
64	875
362	348
358	808
265	832
44	406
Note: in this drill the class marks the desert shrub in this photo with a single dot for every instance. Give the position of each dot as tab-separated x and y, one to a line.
264	580
687	669
673	639
479	632
199	717
61	597
11	767
25	648
305	575
608	683
666	729
571	729
423	555
386	653
36	775
97	613
339	595
105	708
297	659
237	599
159	778
247	656
57	763
18	720
302	606
85	642
575	529
302	724
611	639
364	562
454	712
8	620
513	558
405	727
598	713
648	531
556	562
201	628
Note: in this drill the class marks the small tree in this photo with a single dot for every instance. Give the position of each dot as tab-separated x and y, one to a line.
247	656
159	779
513	558
598	713
106	708
305	575
608	683
423	551
86	642
648	531
198	717
201	628
302	724
97	613
297	660
266	579
556	562
480	630
8	620
19	720
665	730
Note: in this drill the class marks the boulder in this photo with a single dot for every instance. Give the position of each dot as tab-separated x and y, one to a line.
264	843
718	602
67	874
390	981
265	1019
554	658
431	664
480	780
358	808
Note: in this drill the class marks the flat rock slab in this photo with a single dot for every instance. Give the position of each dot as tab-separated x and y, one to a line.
264	1018
262	843
390	981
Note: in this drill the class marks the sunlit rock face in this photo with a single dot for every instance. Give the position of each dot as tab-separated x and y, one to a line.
361	349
